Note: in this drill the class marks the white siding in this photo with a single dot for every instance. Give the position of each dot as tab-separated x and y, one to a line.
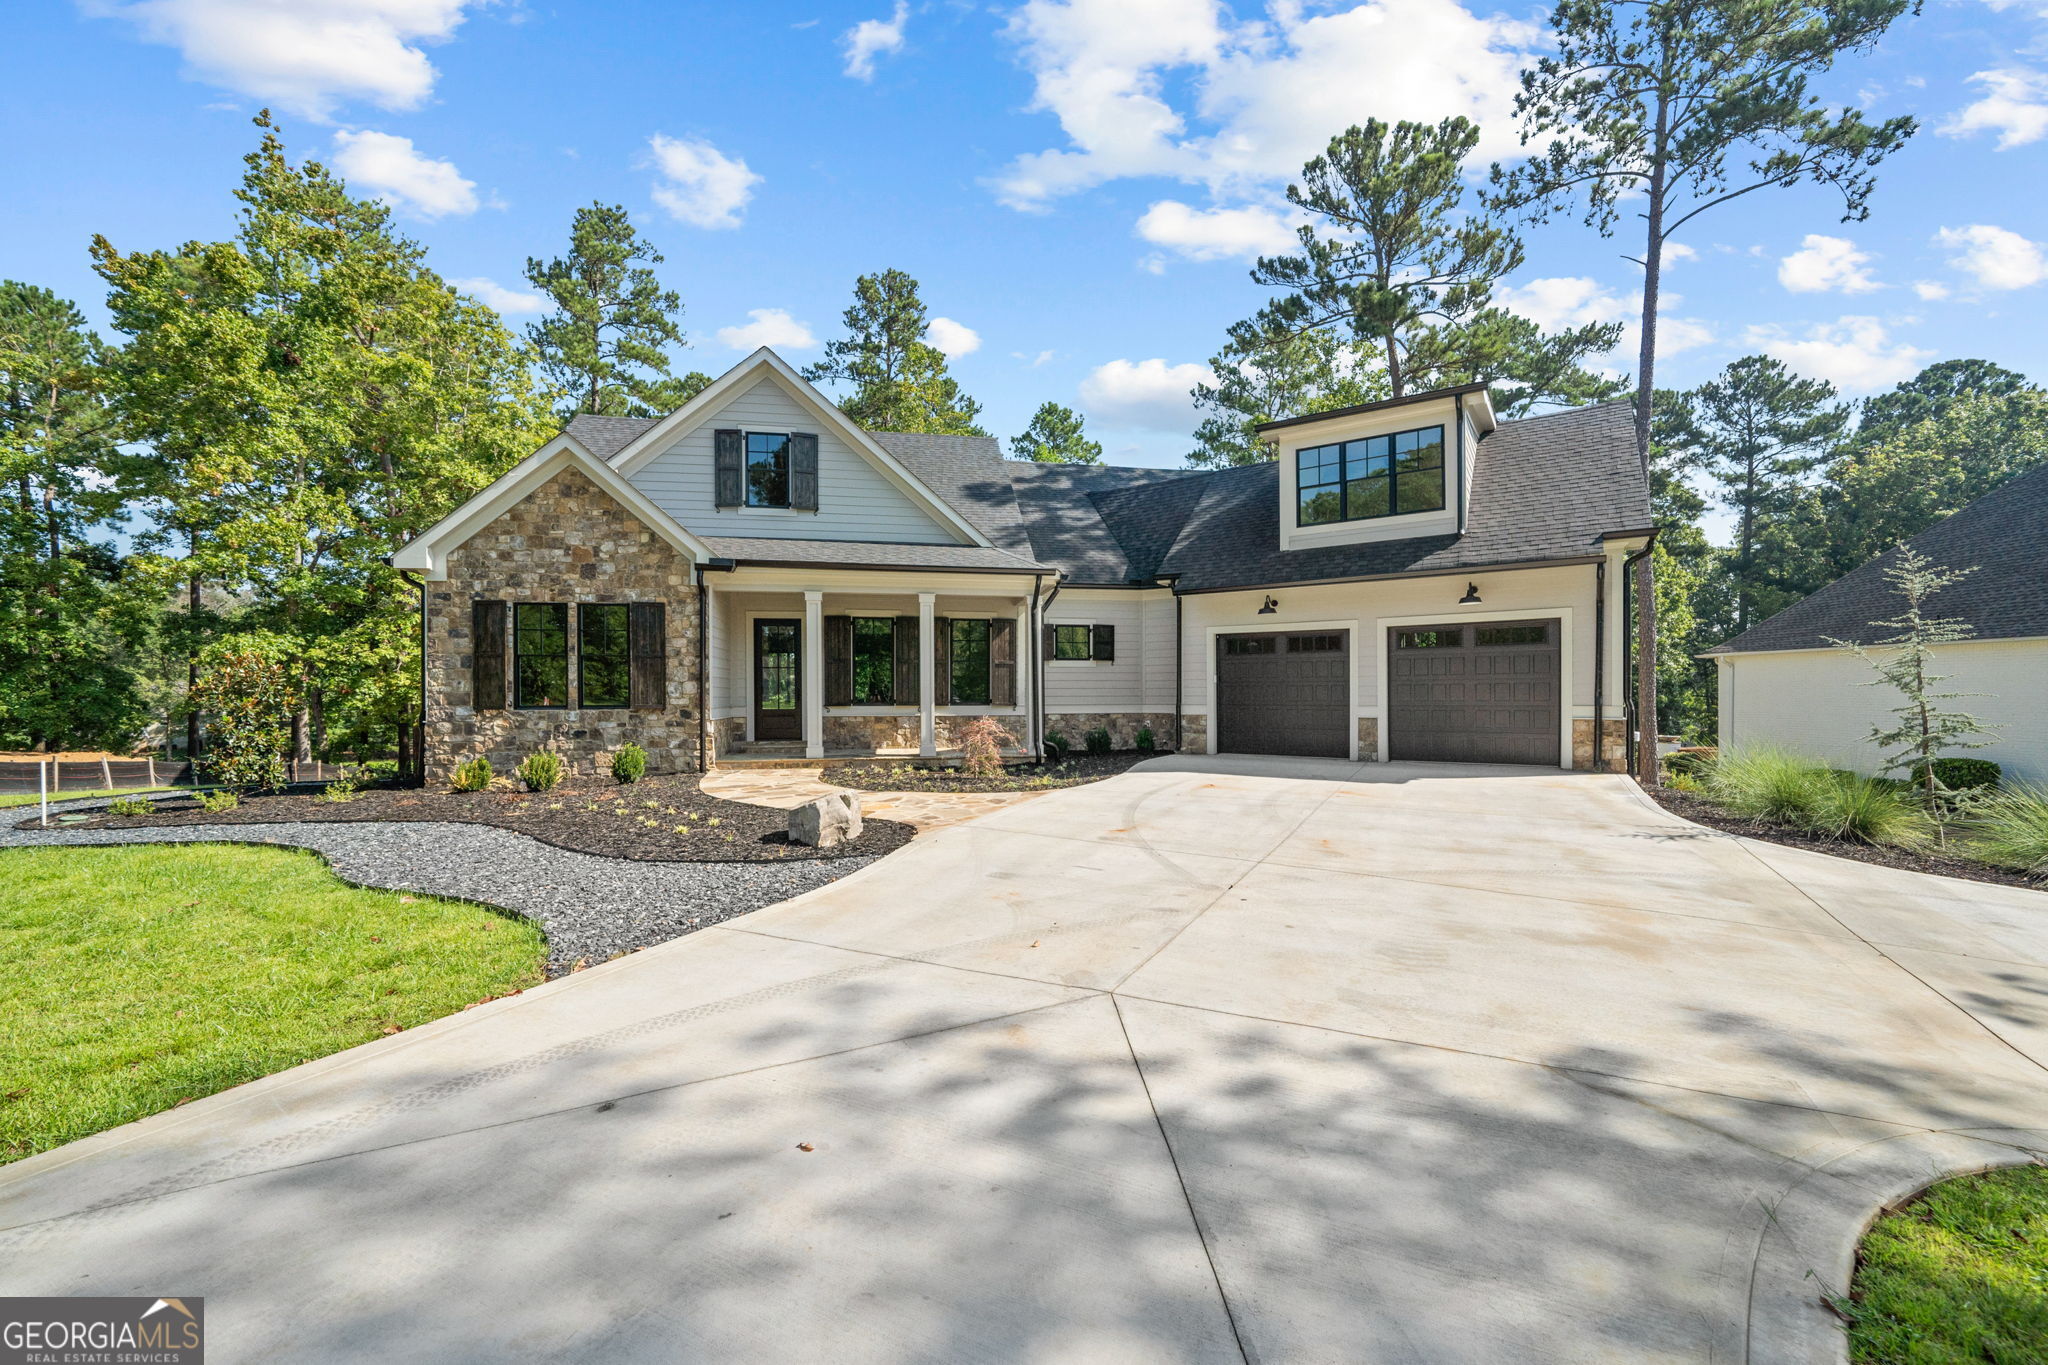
856	500
1813	702
1141	654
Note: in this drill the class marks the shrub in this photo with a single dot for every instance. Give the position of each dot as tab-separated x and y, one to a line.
130	805
1960	774
629	762
249	698
540	770
218	800
379	769
2010	828
1057	748
1869	812
472	776
981	747
1144	740
1685	782
1097	741
1692	760
1769	785
346	787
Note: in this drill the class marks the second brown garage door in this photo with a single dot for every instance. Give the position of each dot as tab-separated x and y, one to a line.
1284	692
1483	692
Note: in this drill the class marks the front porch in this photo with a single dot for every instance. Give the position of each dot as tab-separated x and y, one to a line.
887	674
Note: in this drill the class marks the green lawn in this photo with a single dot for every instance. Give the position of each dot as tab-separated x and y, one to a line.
32	798
132	978
1958	1276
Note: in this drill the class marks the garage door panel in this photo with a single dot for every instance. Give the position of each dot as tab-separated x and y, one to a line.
1485	692
1284	693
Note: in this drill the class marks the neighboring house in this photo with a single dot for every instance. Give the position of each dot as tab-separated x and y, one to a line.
755	574
1784	684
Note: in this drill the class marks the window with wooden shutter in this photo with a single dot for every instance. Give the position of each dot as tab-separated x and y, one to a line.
838	661
487	659
906	661
969	664
649	683
1105	644
803	471
728	461
942	660
540	656
1002	662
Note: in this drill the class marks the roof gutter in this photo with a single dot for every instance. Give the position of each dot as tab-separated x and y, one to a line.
1022	570
1504	567
1460	404
1038	655
1171	581
1628	637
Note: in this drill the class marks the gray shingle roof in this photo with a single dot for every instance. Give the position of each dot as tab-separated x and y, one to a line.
605	437
967	474
2003	535
1063	510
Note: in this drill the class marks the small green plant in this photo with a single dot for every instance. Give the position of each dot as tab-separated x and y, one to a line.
1691	760
1097	740
1057	748
130	805
1144	742
472	776
344	788
1769	785
1960	774
541	770
981	747
1859	809
2010	828
380	769
1685	782
629	762
219	799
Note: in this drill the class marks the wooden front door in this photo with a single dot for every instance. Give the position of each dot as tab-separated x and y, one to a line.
778	675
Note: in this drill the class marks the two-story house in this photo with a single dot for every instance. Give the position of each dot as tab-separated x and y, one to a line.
1410	579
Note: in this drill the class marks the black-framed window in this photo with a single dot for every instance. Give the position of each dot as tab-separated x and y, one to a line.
604	655
1251	644
874	660
767	469
970	661
1073	642
1511	635
540	655
1430	639
1379	476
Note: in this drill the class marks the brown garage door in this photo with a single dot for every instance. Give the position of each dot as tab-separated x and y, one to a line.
1284	692
1483	692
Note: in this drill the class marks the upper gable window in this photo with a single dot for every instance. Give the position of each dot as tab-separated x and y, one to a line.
1379	476
767	469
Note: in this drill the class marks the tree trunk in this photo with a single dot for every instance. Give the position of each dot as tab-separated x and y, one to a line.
192	667
1646	389
302	737
1394	376
316	704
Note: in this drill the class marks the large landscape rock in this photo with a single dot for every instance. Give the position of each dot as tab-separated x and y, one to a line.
826	822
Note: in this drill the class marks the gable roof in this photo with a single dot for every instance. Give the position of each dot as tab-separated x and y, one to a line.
2002	535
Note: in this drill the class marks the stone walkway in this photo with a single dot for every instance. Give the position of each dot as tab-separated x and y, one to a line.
784	788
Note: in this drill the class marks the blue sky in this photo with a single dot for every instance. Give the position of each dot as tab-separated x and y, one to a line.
1078	184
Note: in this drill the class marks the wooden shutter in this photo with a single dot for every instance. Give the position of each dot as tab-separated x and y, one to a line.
1002	662
942	661
729	463
1050	644
487	659
906	661
1104	645
838	661
803	471
647	688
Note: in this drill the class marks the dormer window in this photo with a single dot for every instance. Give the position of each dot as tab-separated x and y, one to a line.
767	469
1377	476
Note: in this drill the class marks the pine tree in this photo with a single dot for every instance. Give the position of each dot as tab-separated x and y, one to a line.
1055	436
1266	382
606	344
899	379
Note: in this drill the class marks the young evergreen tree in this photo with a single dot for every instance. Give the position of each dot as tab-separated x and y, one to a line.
606	345
899	380
1268	381
1674	108
1056	436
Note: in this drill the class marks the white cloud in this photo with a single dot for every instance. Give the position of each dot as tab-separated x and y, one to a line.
1149	394
1033	360
305	56
494	295
1575	300
768	327
699	184
1679	251
1261	95
1824	263
390	168
2014	105
1930	290
871	38
1855	354
1998	258
1215	234
954	338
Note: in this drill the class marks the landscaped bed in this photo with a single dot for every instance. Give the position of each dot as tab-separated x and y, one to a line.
658	819
1957	1274
1072	771
135	979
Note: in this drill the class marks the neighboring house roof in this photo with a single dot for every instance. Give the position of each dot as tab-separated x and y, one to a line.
2002	535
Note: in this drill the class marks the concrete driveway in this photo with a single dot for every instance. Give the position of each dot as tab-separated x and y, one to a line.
1218	1060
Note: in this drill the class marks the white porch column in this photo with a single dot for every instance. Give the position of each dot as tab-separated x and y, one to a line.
1023	654
927	676
814	675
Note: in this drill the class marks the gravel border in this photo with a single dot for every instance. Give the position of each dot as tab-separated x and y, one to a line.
591	908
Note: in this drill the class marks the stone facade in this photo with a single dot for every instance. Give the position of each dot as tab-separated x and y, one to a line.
1194	734
866	734
727	734
1613	749
568	541
947	729
1123	727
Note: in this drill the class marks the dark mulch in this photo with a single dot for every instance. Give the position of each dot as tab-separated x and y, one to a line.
658	819
1030	777
1703	812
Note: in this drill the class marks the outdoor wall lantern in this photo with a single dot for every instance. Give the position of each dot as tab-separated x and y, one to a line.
1471	597
1272	605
